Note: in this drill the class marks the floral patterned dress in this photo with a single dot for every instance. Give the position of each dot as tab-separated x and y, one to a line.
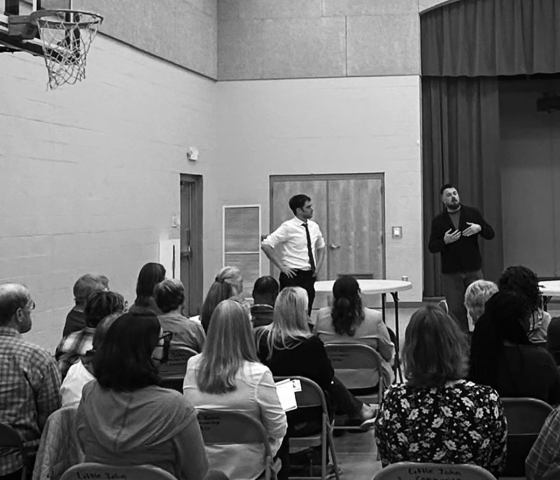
457	423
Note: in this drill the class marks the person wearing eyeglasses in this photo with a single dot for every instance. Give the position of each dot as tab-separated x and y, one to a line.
503	357
125	418
29	378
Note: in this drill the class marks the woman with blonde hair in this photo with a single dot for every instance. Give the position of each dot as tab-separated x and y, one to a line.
227	375
227	284
288	348
438	416
476	296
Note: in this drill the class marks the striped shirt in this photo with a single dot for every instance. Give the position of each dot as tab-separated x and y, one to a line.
29	392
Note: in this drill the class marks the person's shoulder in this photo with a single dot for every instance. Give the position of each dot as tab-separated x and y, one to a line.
324	314
481	391
373	315
36	353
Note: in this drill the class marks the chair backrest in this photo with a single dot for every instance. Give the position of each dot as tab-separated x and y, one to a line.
310	395
356	365
10	438
176	365
226	427
433	471
92	471
525	417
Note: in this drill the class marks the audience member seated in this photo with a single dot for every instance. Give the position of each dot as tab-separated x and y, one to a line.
524	281
227	284
82	371
553	339
265	292
83	288
503	357
545	454
124	418
150	275
228	376
29	379
288	348
438	416
476	296
170	296
98	305
347	321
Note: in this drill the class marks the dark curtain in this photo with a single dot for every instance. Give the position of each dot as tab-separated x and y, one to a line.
491	37
466	45
461	137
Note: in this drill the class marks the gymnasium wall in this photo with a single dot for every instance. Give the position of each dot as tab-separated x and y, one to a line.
89	174
184	32
325	86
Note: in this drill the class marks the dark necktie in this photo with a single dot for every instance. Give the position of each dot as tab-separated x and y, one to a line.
309	249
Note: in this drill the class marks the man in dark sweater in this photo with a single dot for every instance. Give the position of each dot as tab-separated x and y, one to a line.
455	234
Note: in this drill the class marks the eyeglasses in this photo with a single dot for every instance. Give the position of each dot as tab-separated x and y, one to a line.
166	337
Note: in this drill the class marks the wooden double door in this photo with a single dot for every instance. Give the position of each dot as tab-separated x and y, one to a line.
350	212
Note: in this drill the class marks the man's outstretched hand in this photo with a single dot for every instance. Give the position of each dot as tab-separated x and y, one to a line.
473	229
452	236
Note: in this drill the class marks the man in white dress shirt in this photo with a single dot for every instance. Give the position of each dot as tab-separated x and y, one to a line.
297	248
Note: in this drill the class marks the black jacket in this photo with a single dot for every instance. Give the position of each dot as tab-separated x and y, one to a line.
462	255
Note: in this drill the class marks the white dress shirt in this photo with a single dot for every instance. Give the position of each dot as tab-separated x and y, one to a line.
291	239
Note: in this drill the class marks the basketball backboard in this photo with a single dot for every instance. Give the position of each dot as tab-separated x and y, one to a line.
9	8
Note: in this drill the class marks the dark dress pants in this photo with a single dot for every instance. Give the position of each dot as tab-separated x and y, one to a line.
454	287
304	279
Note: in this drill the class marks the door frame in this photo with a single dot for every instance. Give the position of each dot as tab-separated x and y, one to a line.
194	284
334	176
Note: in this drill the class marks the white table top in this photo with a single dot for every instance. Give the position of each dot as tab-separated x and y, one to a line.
550	288
368	286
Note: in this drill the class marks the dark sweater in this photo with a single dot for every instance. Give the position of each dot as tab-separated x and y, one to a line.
464	254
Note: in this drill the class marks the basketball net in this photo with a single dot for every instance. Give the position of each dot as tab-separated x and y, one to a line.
66	36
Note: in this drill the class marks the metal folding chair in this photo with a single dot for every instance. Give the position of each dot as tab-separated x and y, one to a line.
9	438
433	471
311	395
222	427
525	418
173	372
102	471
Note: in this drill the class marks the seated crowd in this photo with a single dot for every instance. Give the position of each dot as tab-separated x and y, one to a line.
106	368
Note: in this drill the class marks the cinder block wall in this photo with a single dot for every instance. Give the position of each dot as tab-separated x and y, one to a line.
89	174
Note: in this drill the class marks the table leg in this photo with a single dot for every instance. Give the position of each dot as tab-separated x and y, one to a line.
383	299
395	296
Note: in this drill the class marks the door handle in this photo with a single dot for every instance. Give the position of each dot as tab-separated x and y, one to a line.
332	246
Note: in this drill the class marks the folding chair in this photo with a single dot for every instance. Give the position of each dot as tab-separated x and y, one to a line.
102	471
9	438
525	418
433	471
173	372
222	427
311	395
358	367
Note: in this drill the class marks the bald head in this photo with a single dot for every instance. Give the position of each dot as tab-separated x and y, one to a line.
13	296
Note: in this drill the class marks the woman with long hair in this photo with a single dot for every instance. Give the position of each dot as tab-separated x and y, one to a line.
125	418
288	348
150	275
227	375
348	321
503	357
438	416
227	284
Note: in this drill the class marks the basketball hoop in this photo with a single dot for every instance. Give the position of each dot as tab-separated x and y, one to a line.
66	36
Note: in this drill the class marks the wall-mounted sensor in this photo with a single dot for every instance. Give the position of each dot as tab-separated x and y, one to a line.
192	154
397	232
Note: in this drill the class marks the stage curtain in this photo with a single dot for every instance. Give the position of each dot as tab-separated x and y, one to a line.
461	138
491	37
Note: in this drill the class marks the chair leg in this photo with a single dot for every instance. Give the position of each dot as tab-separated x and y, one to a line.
324	450
330	441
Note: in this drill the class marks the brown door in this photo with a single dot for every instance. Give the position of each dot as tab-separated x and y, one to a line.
191	242
350	212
